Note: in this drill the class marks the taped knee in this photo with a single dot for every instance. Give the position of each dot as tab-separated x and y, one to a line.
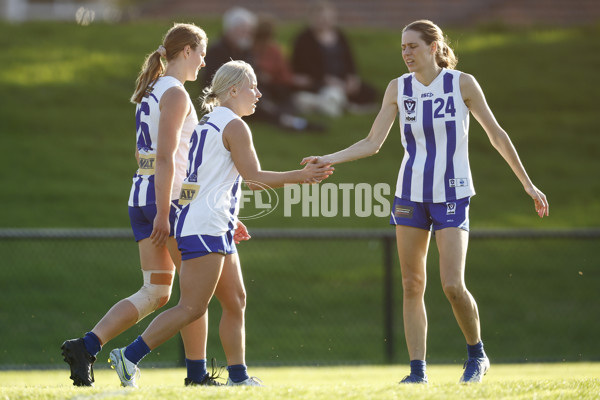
154	293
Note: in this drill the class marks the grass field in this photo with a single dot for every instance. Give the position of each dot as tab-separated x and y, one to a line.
577	381
67	135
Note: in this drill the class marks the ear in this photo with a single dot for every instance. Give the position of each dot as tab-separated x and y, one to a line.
233	91
434	47
186	50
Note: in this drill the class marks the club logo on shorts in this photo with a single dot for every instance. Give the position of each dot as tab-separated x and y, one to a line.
410	109
450	208
403	211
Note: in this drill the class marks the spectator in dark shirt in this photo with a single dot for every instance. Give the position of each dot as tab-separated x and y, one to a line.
276	81
322	57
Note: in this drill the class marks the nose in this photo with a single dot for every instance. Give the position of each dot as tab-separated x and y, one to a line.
258	94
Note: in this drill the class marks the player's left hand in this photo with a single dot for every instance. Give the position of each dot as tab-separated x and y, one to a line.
539	199
241	233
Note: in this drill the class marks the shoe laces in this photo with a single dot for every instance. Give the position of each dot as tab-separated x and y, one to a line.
215	372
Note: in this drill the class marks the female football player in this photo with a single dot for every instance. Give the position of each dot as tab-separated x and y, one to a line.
434	183
165	120
221	154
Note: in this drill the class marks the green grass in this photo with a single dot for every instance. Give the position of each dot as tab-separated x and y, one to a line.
314	302
67	125
577	381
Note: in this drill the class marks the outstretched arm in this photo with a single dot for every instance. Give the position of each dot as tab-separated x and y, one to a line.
373	142
238	140
475	100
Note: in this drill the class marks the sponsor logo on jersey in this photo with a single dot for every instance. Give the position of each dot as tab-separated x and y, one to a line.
146	164
188	193
401	211
410	109
458	182
450	209
425	95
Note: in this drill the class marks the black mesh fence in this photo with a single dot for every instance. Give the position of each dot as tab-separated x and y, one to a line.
314	297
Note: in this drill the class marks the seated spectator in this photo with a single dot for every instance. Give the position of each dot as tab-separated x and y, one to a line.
275	80
323	60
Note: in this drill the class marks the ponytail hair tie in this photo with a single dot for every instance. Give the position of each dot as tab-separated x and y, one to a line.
162	51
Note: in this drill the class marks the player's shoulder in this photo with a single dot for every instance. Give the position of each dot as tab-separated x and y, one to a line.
175	95
392	88
236	127
467	83
465	78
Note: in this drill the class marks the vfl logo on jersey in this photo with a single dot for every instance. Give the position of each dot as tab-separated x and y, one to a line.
410	109
146	164
458	182
189	191
203	120
403	211
450	208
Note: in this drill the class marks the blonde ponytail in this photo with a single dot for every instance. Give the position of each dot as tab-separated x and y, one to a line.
209	100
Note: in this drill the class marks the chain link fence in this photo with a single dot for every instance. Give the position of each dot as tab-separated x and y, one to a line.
314	296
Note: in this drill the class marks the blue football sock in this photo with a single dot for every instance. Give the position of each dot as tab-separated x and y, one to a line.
92	343
196	369
238	373
476	350
137	350
417	367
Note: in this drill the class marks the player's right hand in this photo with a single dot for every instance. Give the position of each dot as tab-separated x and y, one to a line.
316	169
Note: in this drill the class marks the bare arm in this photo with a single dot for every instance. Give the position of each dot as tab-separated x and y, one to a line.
475	100
379	132
174	107
238	140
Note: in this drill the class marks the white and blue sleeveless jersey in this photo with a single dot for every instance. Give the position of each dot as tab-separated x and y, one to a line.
210	194
147	117
434	124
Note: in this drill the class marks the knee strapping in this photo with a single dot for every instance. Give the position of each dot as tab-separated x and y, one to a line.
154	294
